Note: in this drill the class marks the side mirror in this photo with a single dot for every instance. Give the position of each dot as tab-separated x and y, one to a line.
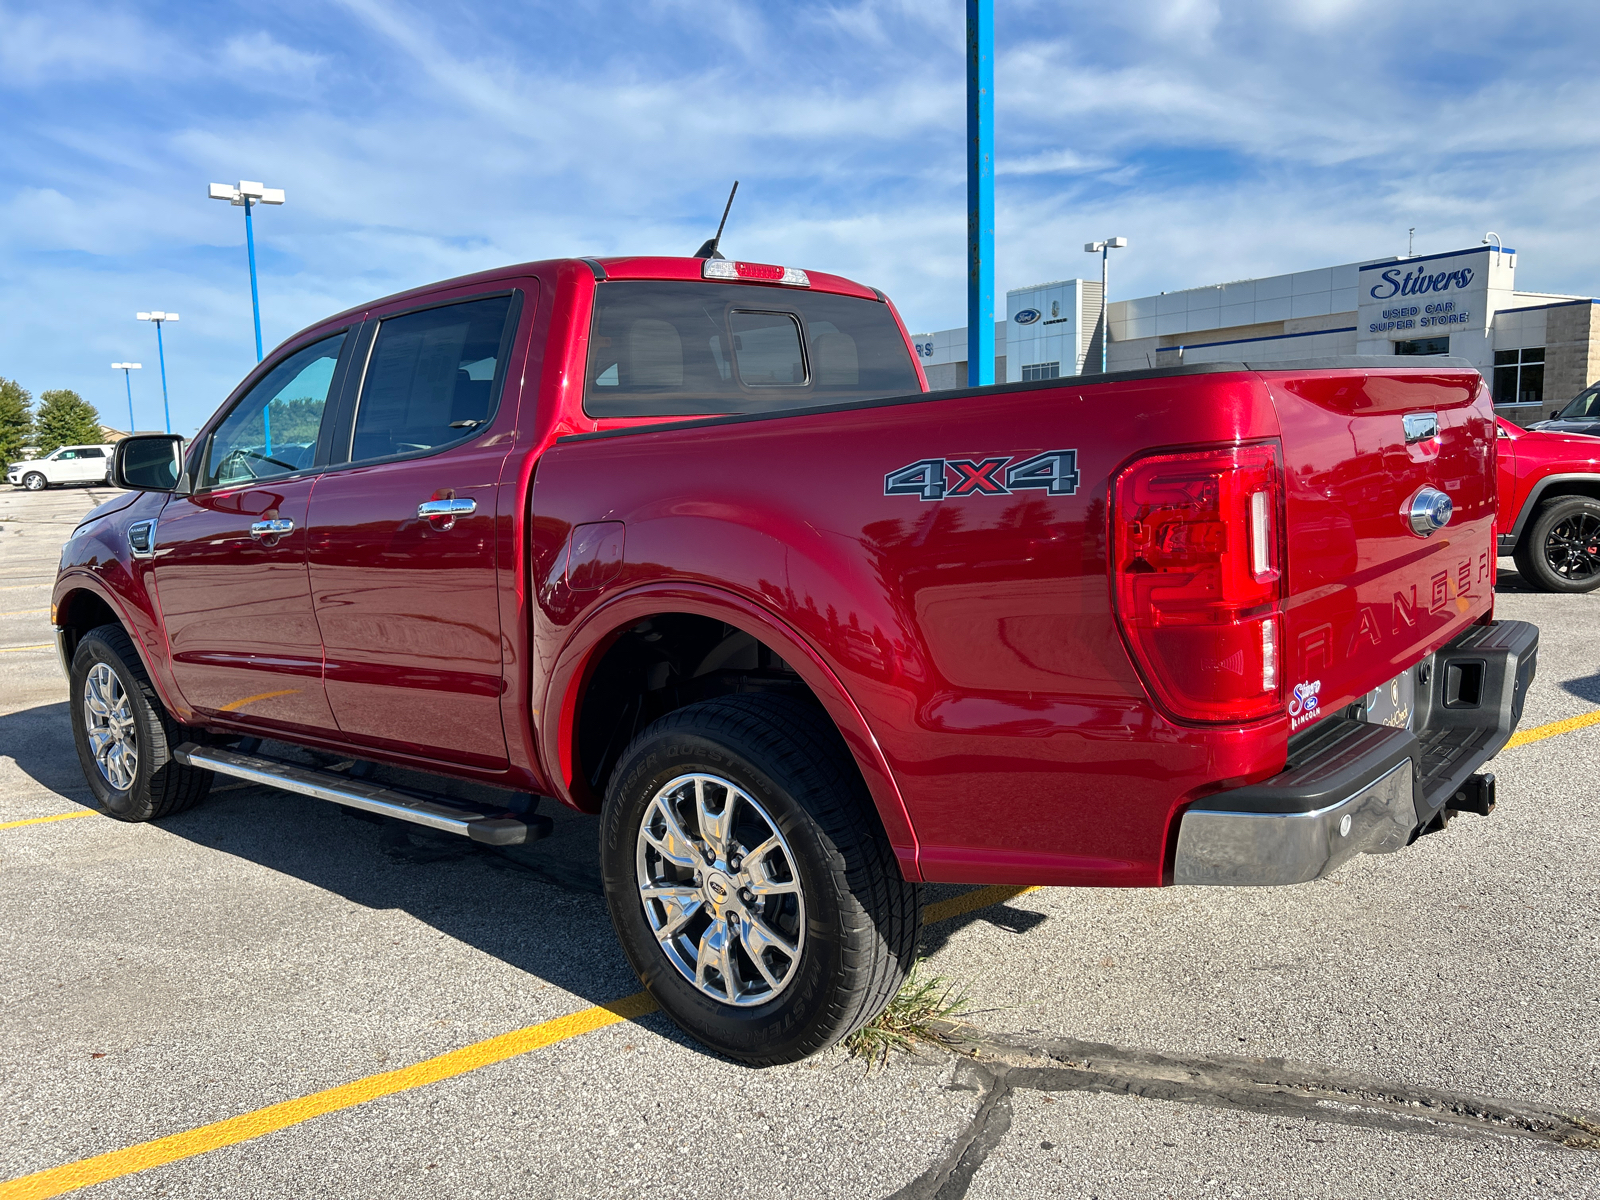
150	462
1554	413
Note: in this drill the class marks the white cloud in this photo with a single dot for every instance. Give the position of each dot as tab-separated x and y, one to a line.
418	142
259	61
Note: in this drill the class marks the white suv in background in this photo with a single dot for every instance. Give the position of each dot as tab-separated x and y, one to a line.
70	464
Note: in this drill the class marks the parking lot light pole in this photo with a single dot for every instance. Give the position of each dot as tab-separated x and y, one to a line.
247	195
1104	249
158	319
127	379
980	193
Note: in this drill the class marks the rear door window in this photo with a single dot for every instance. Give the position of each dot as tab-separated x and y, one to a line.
677	349
431	379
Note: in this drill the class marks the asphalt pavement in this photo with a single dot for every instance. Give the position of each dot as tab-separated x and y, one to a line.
272	997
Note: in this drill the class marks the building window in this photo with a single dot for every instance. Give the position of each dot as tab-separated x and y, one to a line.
1423	346
1050	370
1519	376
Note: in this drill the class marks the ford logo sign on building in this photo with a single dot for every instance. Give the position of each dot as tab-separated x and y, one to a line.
1027	316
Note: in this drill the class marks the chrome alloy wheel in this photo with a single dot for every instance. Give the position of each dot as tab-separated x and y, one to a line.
108	717
720	890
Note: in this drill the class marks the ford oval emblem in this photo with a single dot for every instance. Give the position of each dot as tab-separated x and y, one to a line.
1429	512
1027	316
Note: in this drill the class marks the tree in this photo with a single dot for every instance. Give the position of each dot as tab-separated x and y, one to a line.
16	421
65	419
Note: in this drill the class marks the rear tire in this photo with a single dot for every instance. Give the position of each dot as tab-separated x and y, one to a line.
824	908
125	735
35	482
1561	550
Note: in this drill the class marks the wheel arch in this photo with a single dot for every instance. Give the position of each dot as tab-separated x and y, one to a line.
83	607
557	718
1553	487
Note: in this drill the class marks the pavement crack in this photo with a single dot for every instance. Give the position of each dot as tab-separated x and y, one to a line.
998	1067
951	1176
1274	1086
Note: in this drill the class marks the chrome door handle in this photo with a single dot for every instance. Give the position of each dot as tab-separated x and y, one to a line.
447	508
272	528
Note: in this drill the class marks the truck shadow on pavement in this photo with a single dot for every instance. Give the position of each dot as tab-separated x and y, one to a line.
40	741
544	917
538	908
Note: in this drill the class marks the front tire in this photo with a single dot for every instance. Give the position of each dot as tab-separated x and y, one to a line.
125	735
750	882
35	482
1561	552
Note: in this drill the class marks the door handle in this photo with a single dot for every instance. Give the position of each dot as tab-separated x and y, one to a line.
447	508
272	528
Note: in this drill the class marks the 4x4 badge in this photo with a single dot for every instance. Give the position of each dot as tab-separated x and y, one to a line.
1054	471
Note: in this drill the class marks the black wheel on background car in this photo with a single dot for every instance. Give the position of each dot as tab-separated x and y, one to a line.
750	881
125	735
34	481
1561	552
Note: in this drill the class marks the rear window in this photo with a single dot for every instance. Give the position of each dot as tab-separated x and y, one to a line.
659	349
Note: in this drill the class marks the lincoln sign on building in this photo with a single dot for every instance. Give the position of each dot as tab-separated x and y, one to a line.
1538	350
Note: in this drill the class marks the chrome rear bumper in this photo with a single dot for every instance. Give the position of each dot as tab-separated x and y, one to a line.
1356	788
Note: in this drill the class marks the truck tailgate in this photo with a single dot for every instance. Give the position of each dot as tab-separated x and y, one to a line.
1367	596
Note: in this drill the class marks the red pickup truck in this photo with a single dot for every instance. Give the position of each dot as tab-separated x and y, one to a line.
686	543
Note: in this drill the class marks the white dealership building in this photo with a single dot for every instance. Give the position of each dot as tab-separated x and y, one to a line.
1537	349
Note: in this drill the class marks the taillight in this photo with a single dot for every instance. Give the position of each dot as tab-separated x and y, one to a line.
722	268
1198	578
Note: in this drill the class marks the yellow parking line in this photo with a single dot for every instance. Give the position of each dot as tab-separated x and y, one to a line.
53	1181
1539	732
945	910
117	1163
23	612
87	812
101	1167
21	587
20	649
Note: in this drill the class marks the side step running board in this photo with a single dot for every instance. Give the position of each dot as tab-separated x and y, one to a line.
502	828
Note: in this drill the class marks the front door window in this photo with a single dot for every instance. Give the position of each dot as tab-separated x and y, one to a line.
273	431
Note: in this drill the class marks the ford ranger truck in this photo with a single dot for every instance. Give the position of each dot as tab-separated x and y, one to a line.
686	544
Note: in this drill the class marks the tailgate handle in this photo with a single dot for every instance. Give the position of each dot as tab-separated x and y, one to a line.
1420	426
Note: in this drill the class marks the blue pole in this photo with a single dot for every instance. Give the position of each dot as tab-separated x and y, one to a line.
1105	304
255	297
161	356
980	192
127	378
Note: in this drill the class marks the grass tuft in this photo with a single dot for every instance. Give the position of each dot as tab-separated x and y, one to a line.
913	1016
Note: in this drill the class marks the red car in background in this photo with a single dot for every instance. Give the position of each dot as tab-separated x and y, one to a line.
1549	518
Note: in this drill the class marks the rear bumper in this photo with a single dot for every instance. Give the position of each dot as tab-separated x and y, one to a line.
1354	788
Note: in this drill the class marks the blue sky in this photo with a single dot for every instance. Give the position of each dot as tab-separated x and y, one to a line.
416	142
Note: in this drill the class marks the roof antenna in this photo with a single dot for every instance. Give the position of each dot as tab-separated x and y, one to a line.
709	250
